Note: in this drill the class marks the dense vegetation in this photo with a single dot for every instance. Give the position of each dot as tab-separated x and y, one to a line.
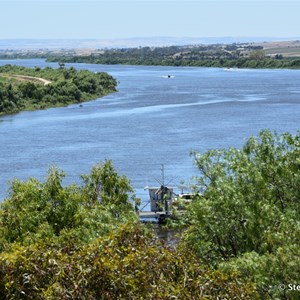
241	238
65	86
248	218
229	56
85	242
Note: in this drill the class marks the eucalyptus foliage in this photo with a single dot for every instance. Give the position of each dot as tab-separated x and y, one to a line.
128	263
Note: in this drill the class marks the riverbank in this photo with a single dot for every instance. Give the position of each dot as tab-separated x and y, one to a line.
27	89
56	105
222	56
240	63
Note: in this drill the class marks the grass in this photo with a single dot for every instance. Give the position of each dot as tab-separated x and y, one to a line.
285	51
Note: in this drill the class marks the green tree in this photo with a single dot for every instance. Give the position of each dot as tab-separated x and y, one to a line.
36	209
250	208
105	186
257	54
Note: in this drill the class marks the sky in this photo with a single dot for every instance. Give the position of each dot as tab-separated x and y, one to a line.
98	19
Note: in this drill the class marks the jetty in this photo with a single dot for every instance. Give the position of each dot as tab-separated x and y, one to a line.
163	201
164	204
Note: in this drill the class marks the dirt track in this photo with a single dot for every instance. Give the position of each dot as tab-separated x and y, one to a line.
27	78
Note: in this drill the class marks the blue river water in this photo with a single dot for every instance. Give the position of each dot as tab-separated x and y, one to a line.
151	120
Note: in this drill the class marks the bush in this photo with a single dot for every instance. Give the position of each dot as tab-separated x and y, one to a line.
248	217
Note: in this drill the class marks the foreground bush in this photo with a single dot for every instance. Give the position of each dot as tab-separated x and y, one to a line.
86	242
126	264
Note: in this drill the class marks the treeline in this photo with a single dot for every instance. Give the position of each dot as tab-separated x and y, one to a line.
18	55
230	56
65	86
240	240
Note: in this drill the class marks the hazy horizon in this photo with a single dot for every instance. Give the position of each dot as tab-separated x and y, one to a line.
27	44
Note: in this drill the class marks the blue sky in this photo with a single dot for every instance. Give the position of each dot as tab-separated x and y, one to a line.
126	19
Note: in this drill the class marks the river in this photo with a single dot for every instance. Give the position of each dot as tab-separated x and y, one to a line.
151	120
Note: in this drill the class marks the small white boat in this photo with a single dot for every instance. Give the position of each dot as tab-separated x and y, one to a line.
168	76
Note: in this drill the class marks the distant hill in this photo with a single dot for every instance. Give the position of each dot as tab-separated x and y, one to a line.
28	44
285	48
